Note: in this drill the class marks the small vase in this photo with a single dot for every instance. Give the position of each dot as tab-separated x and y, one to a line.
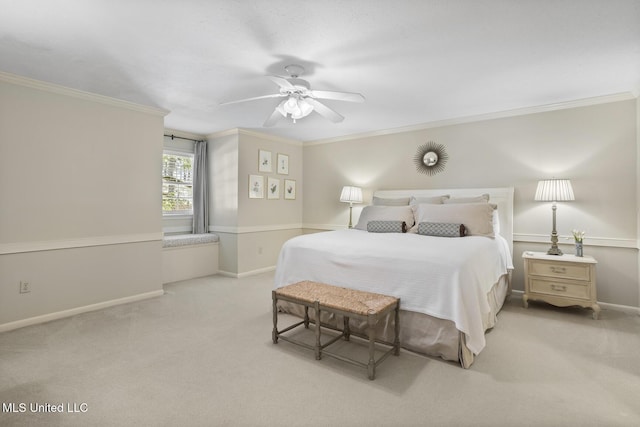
579	249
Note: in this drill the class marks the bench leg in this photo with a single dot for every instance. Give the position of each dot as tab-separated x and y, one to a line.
274	334
306	317
346	331
371	367
318	345
396	341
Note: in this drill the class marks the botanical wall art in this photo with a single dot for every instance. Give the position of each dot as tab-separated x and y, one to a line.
256	187
273	188
289	189
264	161
283	164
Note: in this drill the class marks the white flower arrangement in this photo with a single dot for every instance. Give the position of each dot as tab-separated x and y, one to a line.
578	235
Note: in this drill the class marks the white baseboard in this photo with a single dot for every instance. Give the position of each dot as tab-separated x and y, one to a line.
78	310
246	273
605	305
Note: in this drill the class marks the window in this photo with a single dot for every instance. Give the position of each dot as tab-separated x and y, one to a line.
177	183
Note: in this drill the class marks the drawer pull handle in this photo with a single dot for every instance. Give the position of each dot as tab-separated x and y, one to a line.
559	288
560	270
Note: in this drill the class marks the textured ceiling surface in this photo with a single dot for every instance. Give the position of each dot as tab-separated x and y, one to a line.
415	61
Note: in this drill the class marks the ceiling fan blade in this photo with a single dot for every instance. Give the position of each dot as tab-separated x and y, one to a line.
324	111
338	96
282	82
273	118
275	95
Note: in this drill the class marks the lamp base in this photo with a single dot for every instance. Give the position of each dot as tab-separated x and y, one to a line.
554	250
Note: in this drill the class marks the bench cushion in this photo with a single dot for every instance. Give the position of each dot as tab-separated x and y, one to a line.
351	300
175	240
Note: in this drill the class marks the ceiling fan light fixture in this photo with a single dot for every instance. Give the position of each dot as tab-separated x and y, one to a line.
297	108
305	107
291	106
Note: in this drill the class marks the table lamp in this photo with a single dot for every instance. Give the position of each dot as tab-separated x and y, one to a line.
554	190
351	195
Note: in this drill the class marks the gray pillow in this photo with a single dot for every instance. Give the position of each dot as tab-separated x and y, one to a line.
387	227
442	229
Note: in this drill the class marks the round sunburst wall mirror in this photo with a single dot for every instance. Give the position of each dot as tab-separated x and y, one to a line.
431	158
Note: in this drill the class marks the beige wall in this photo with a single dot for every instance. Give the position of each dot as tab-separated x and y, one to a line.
80	215
251	230
595	146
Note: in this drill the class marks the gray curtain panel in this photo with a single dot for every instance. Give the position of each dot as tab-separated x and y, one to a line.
200	189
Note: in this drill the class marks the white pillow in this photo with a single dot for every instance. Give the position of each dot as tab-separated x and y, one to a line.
383	201
438	200
385	213
476	217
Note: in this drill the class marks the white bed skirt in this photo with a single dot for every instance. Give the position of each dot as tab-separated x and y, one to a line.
419	332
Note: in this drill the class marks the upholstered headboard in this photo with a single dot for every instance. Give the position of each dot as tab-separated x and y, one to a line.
501	196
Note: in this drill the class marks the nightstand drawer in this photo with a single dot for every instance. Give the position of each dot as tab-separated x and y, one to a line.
565	270
549	287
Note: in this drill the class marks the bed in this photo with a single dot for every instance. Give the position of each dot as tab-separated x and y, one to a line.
451	288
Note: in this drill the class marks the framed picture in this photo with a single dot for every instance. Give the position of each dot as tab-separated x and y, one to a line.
256	187
273	188
264	161
283	164
289	189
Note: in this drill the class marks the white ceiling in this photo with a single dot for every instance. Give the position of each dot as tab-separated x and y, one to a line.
415	61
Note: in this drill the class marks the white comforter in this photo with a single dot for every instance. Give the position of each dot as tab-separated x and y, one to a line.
448	278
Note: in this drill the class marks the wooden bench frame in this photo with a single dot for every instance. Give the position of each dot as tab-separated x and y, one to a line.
372	316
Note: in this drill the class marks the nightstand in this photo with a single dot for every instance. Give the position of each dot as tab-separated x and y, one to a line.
561	280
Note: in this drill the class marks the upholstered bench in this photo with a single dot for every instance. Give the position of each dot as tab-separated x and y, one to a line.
348	303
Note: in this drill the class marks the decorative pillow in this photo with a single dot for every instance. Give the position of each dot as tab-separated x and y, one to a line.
441	229
476	217
477	199
385	213
437	200
387	227
382	201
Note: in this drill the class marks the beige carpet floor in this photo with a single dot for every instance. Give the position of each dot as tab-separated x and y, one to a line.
201	355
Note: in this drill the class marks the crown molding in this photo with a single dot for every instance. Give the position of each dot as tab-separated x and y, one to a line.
79	94
241	131
586	102
223	133
270	137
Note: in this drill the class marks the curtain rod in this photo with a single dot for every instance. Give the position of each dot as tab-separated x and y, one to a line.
172	136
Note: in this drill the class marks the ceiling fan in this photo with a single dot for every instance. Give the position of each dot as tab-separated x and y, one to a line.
300	100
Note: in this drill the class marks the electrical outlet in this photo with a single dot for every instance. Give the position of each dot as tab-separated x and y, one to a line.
25	287
259	250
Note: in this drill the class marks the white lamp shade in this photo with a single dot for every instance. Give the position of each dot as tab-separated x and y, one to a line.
554	190
351	194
